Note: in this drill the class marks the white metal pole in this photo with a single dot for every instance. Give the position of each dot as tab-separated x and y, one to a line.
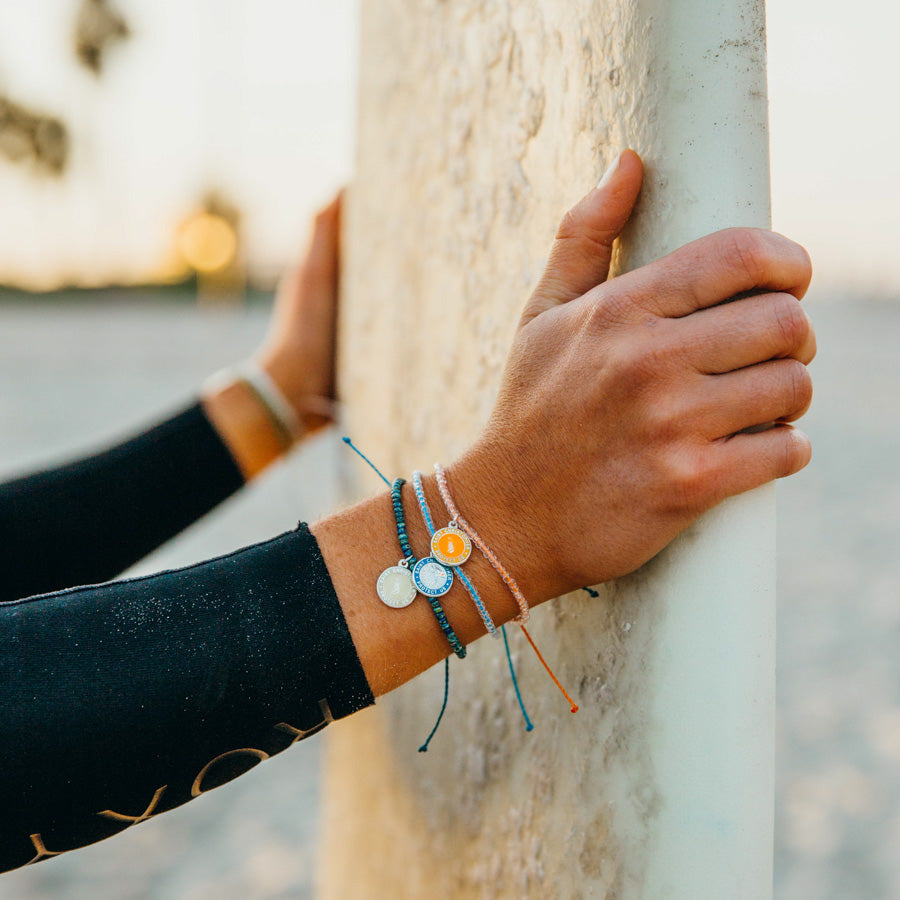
711	669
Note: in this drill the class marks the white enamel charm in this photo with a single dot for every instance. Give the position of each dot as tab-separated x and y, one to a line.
395	587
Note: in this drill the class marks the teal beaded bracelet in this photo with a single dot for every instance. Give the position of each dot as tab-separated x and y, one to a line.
397	503
438	610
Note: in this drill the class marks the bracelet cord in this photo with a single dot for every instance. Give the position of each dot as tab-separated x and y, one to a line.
486	551
457	570
508	580
489	624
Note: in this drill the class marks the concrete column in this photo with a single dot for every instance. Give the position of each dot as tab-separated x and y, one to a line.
480	123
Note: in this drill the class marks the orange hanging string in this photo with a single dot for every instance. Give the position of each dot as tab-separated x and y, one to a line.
565	694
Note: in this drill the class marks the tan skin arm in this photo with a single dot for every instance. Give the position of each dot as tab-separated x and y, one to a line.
298	354
621	418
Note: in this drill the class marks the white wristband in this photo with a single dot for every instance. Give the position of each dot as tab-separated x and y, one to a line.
264	388
259	380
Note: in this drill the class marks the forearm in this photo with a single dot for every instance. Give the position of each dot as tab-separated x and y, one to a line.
125	700
131	698
87	521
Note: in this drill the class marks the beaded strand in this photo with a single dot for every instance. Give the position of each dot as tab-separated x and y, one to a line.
438	610
508	580
467	584
486	551
435	606
397	503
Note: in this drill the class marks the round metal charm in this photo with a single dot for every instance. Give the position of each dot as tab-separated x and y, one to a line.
395	587
451	546
431	578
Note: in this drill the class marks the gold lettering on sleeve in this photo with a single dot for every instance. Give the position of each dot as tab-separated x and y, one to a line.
197	790
299	733
42	851
135	820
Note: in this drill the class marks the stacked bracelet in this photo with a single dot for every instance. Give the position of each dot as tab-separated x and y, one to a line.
488	554
452	547
397	585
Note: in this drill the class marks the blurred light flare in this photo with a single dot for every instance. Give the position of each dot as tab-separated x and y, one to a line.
208	243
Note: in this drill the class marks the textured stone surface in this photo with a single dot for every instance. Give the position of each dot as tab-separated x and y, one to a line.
480	124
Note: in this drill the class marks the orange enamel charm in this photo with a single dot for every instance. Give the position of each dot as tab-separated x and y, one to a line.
451	546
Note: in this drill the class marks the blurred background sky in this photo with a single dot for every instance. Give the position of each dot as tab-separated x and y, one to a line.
251	98
254	99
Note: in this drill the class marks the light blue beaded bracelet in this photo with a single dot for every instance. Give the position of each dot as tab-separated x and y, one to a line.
467	584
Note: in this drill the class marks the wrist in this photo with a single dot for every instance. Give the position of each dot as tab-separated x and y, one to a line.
243	425
311	404
496	500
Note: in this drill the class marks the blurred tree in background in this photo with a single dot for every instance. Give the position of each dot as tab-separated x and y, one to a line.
31	136
97	27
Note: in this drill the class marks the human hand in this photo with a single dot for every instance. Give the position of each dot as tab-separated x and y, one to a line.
298	353
623	409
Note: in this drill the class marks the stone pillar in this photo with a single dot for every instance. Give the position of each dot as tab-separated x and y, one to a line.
480	123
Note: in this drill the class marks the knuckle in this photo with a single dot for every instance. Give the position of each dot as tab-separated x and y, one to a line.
569	225
747	250
605	309
792	455
791	322
664	424
799	385
691	481
788	459
578	228
810	348
639	364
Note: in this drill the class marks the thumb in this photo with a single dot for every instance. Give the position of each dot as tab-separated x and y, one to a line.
322	256
580	256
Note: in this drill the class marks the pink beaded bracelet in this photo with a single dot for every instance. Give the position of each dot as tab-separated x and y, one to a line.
508	580
486	551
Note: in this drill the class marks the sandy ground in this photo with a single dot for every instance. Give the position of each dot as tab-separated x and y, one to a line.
73	376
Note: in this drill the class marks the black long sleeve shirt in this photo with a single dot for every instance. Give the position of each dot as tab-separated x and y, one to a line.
119	701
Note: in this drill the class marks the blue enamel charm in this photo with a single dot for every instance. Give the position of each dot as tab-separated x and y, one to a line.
431	578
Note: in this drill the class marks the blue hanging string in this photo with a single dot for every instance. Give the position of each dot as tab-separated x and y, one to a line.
424	747
512	672
591	591
359	452
429	524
